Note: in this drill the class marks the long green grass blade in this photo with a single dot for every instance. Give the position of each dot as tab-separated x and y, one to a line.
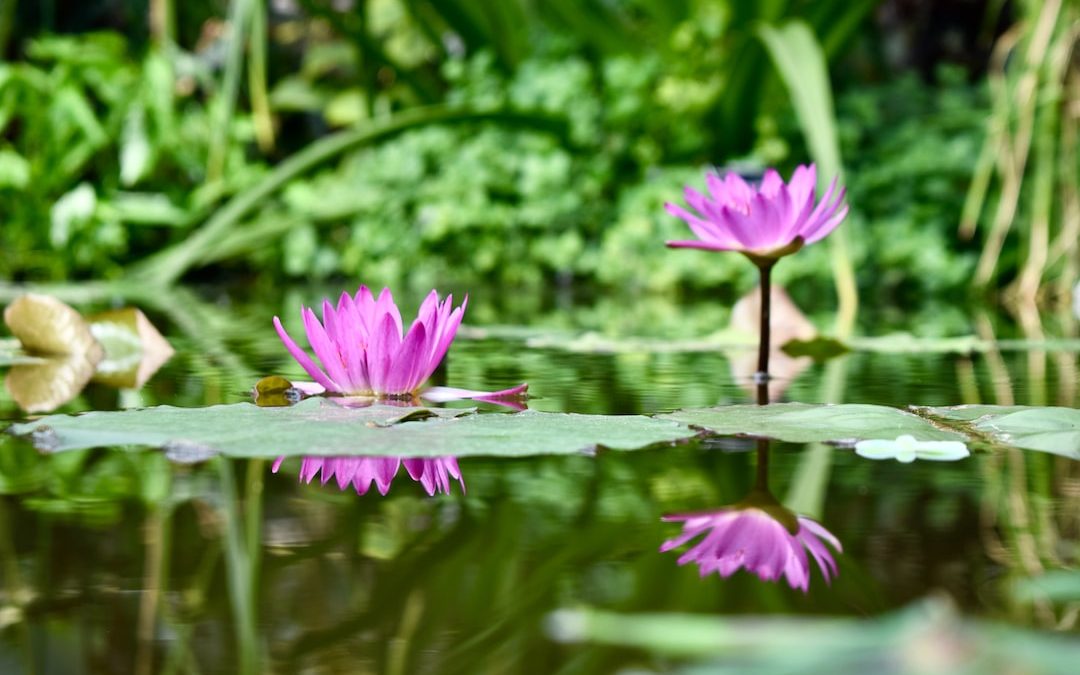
167	266
800	61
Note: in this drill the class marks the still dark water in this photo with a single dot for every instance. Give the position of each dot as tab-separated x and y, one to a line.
118	561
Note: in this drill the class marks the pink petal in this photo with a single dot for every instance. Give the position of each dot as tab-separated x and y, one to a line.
385	306
347	336
447	331
309	467
828	225
770	183
365	309
326	350
303	359
385	470
713	232
803	184
408	361
444	394
308	388
381	352
704	245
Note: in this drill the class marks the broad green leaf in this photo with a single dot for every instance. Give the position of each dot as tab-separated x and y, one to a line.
321	427
803	423
145	208
824	644
135	150
1055	430
70	212
1055	585
14	170
1051	429
801	63
969	413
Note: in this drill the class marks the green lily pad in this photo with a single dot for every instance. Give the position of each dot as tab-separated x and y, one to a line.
803	423
1054	430
970	413
320	427
1047	429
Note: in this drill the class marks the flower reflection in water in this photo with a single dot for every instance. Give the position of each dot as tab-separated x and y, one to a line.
757	534
434	473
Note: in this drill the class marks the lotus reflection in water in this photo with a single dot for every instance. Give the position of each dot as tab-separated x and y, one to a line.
365	352
759	535
434	473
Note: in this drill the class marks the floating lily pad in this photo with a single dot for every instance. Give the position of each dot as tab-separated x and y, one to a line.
803	423
1055	430
1047	429
320	427
970	413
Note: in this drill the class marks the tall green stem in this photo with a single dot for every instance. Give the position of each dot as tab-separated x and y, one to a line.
239	23
761	378
761	478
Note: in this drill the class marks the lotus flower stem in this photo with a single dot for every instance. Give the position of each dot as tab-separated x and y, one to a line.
761	476
762	375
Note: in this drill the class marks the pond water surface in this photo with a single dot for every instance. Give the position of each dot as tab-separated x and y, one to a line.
117	560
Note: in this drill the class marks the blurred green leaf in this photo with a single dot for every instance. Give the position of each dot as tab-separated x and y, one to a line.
1052	429
71	212
145	208
14	170
135	149
1054	585
929	637
804	423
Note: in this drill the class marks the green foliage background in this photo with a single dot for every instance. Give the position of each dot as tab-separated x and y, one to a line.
116	145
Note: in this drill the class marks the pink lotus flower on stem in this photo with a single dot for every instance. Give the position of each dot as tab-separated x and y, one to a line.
364	350
765	222
758	535
432	473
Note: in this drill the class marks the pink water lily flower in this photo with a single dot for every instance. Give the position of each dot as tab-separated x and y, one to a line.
765	222
433	473
757	535
364	350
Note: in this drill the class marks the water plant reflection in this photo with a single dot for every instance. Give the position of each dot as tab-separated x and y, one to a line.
65	351
433	473
365	352
788	323
756	534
